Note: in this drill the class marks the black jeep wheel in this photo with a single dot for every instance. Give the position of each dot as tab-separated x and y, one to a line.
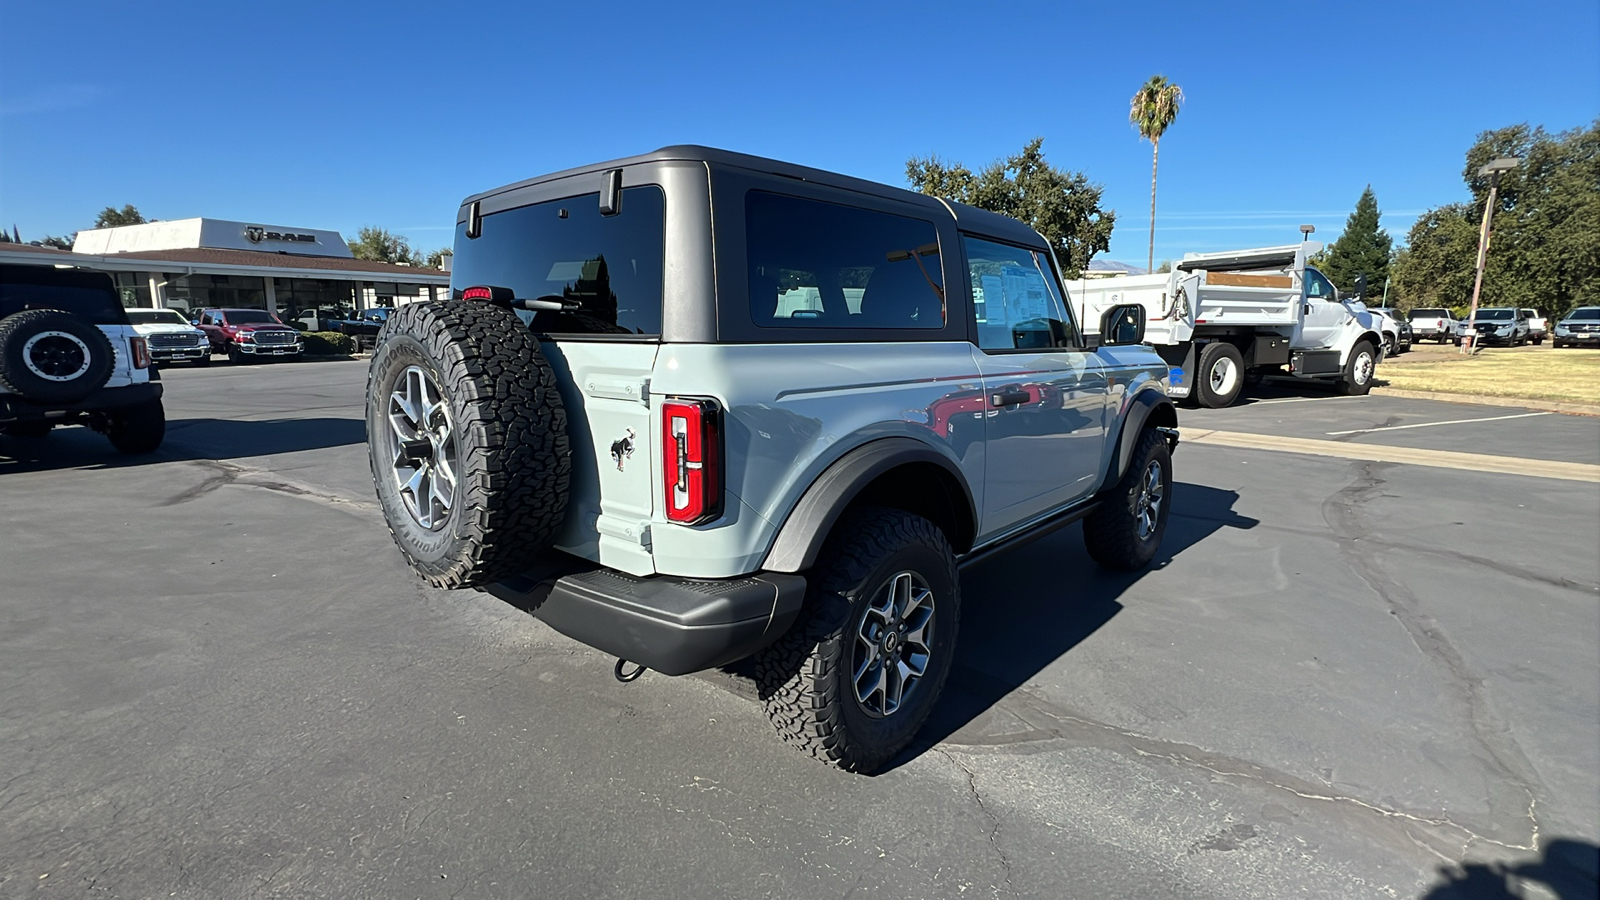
467	438
1125	531
1220	375
51	356
138	429
855	678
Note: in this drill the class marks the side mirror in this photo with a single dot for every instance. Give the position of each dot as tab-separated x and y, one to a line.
1122	325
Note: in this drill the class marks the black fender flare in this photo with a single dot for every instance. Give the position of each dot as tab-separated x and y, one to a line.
1148	407
802	534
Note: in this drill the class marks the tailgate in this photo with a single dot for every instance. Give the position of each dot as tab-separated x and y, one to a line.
604	387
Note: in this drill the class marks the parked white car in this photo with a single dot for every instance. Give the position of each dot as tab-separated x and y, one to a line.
171	337
1538	326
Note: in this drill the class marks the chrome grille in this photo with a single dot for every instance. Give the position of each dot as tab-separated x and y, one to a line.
174	341
275	338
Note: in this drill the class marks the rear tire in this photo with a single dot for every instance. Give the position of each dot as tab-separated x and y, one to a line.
139	429
465	386
1220	375
1359	370
1125	532
826	684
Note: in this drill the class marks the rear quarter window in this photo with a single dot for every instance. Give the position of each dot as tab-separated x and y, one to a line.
819	265
607	268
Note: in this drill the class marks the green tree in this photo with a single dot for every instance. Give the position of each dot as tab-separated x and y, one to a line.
1063	206
1545	250
60	243
378	245
1153	108
1363	248
111	217
436	258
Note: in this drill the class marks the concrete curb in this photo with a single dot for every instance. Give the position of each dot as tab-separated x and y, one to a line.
1557	406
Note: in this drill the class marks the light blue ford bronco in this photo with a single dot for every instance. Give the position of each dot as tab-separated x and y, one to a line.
695	408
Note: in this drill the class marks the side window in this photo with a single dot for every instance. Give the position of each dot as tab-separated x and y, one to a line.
822	265
1016	301
1318	287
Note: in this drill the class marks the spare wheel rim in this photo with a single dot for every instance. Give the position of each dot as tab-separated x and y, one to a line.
422	447
56	356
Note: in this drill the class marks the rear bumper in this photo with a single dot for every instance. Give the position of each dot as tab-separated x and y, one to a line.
14	408
672	625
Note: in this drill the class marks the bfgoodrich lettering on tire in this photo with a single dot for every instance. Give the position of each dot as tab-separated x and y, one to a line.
858	674
467	438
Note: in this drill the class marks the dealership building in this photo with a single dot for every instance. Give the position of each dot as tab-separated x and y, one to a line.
193	263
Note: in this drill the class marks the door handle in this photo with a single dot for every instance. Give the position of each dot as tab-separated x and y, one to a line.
1009	398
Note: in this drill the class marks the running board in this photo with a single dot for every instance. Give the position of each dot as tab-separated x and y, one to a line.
1046	527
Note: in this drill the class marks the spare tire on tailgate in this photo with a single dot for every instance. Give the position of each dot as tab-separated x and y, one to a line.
50	356
467	437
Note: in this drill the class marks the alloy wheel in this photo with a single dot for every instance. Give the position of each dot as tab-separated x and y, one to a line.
422	445
893	646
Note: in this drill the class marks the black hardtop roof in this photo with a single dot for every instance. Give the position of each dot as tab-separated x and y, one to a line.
966	217
45	273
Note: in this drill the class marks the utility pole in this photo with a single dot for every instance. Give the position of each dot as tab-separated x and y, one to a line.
1493	168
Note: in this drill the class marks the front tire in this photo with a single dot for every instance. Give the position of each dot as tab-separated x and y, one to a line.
139	429
467	439
1125	531
1221	375
1359	369
203	361
235	356
854	679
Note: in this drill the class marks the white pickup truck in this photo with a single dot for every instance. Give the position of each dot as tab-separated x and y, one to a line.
1223	319
1538	326
1436	324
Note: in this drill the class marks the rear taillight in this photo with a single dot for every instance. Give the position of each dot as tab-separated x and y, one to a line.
691	460
141	353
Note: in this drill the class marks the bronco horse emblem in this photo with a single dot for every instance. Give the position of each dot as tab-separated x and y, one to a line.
623	449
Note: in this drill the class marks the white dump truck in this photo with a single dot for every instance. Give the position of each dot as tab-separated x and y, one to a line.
1222	320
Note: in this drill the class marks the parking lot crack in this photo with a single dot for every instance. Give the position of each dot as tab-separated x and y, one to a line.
994	820
1513	781
232	474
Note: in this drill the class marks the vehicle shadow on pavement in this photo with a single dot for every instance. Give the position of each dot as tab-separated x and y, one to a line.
77	447
1569	868
1023	610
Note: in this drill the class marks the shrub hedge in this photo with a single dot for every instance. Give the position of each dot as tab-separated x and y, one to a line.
328	343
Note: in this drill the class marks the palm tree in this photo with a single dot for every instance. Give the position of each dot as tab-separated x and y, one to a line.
1154	107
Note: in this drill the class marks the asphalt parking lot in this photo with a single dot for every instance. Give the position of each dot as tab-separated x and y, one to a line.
1344	678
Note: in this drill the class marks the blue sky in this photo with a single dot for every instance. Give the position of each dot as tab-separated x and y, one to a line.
339	115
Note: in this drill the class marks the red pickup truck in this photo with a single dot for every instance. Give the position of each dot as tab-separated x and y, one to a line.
246	334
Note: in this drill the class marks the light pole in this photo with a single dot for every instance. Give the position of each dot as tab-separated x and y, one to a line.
1492	169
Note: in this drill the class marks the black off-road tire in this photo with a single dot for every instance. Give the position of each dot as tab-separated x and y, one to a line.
138	429
1111	533
1226	358
805	678
511	455
1359	370
70	360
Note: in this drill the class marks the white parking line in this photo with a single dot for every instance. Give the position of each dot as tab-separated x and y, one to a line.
1304	399
1431	424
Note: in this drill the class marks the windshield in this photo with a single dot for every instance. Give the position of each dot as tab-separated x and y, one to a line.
156	317
250	317
1586	314
1487	314
1428	314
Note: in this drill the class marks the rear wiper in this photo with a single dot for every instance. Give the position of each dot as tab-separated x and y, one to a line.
505	296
